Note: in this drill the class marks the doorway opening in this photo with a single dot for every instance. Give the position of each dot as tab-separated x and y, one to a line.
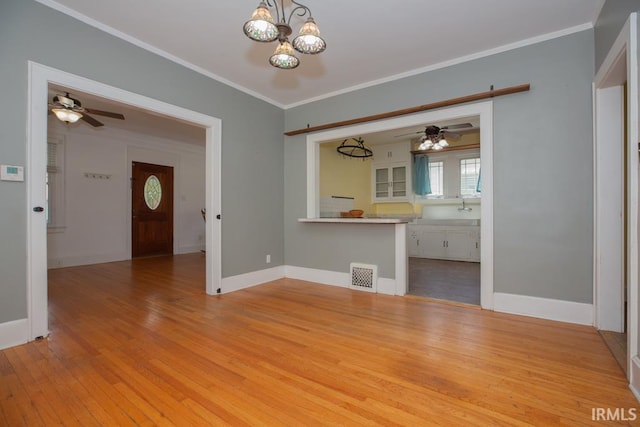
616	200
39	79
444	241
386	130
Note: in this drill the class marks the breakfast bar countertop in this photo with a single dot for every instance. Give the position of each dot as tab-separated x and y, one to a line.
356	220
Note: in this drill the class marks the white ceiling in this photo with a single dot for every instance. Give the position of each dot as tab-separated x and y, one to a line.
366	42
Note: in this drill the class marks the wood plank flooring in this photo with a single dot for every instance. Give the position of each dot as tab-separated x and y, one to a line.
617	344
140	343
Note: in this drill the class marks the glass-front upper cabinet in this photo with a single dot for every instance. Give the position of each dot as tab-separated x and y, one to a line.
390	173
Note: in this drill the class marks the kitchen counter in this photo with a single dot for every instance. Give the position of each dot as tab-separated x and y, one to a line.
446	222
356	220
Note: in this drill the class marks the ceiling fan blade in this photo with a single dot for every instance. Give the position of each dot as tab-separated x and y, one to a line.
410	133
467	130
105	113
93	122
458	126
452	135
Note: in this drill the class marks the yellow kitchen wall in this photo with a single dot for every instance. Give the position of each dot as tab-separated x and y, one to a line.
345	176
351	177
396	208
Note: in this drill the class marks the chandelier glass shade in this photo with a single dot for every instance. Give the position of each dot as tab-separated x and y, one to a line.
309	40
284	57
263	28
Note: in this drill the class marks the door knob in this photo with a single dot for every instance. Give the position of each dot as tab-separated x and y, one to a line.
38	209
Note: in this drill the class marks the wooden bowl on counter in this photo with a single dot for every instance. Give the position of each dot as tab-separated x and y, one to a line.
356	213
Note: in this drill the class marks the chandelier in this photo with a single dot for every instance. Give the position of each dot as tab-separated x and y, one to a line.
262	28
433	139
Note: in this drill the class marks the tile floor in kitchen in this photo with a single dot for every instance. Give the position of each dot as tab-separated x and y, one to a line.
457	281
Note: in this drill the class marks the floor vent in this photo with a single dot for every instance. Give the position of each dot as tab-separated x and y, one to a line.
364	277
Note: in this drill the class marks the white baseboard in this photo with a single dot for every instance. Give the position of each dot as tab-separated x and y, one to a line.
324	277
544	308
634	376
247	280
334	278
74	261
15	332
386	286
188	249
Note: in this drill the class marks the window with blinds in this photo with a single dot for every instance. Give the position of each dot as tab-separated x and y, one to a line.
436	177
469	174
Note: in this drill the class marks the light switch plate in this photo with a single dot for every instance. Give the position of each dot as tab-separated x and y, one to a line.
11	173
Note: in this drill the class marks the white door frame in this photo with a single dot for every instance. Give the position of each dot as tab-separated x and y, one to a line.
484	110
607	92
39	77
608	159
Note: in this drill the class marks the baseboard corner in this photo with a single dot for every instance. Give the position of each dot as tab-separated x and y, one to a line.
13	333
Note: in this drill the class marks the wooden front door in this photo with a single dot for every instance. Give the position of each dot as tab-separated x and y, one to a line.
152	210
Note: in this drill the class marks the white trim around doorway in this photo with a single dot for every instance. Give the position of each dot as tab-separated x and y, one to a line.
619	66
482	109
39	77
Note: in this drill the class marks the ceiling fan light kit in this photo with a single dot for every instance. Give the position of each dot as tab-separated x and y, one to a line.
66	115
434	136
262	28
70	110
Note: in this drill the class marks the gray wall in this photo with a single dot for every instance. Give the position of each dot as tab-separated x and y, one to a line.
612	18
542	166
252	158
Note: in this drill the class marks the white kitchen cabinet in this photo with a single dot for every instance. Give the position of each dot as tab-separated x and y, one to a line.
413	243
475	245
387	153
460	243
391	173
432	242
390	182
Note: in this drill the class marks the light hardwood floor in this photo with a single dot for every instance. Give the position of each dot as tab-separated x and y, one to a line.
139	343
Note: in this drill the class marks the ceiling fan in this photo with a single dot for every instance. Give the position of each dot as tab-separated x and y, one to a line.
444	131
70	110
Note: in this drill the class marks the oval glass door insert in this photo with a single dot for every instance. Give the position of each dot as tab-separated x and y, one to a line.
152	192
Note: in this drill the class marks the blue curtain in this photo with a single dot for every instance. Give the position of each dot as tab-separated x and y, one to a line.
421	181
479	182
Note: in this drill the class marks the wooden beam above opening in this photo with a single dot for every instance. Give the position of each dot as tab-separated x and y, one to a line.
492	93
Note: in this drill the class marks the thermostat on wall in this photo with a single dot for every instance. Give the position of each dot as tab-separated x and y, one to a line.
11	173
